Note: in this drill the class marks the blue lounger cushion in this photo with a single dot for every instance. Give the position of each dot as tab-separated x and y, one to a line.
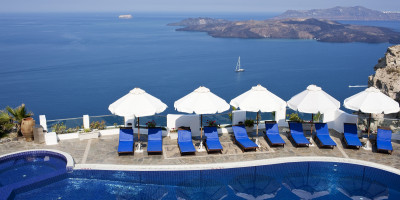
350	135
296	132
384	139
272	133
126	141
323	134
214	145
242	138
212	139
154	142
185	141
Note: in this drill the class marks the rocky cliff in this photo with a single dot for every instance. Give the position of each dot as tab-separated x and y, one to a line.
342	13
387	73
314	29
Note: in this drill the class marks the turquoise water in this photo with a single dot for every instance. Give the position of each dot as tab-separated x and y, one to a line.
67	65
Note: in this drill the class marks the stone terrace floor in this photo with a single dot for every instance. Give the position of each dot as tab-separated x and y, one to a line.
104	151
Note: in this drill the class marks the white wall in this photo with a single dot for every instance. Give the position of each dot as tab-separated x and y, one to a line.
43	122
238	116
280	118
130	120
177	120
336	119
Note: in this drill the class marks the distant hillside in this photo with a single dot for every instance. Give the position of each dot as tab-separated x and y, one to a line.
314	29
342	13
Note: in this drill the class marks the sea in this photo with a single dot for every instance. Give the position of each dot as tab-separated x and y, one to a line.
65	65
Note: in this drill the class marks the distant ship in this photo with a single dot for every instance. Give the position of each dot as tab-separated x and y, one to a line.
238	69
125	16
350	86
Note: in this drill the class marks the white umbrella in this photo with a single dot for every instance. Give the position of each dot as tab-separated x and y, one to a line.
201	101
313	100
258	99
137	103
371	100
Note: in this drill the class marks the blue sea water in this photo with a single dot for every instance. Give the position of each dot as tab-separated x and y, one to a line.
67	65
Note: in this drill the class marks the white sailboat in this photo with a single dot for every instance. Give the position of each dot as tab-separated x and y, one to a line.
238	69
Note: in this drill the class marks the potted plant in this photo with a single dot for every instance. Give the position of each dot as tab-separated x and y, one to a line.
212	123
93	131
151	124
249	124
63	133
23	121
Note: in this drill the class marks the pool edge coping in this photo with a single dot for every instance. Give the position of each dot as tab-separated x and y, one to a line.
229	165
68	157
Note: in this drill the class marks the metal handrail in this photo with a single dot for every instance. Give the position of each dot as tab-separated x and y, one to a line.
54	120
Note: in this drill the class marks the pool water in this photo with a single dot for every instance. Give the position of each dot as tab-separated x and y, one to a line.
300	180
24	167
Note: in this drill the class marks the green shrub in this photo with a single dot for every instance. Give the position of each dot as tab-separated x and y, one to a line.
295	118
230	114
317	117
18	114
98	125
6	124
59	128
87	130
249	122
73	130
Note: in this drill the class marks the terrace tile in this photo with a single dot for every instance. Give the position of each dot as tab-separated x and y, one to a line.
104	151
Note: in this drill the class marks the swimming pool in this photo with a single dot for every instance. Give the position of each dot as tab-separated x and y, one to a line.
22	169
294	180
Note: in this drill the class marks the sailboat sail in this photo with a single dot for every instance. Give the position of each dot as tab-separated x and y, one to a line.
238	69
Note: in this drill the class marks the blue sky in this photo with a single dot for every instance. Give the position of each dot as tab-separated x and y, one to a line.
186	5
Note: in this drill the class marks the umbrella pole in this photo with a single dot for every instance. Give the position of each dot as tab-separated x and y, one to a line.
368	143
257	129
312	122
201	134
369	124
139	148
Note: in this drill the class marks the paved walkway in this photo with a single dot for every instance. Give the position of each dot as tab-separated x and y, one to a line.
104	151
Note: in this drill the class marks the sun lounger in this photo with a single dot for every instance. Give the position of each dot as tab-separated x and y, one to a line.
272	133
384	140
323	135
185	143
212	140
126	141
297	134
242	139
350	135
154	141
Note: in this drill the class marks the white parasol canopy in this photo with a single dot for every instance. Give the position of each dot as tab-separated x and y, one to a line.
201	101
258	98
137	103
313	100
371	100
